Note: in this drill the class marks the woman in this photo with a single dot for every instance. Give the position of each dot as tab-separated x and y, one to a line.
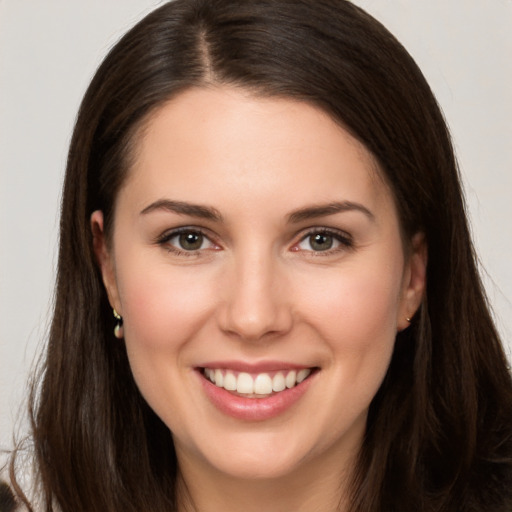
267	296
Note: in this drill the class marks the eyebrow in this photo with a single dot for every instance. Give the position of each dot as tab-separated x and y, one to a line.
209	213
323	210
183	208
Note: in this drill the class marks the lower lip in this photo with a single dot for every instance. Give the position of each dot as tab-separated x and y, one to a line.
254	409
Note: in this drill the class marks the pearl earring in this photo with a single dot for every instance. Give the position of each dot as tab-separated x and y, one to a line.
118	329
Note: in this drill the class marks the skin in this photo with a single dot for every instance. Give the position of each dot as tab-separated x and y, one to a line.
258	290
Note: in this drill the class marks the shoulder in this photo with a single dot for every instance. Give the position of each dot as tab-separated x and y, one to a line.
7	500
16	473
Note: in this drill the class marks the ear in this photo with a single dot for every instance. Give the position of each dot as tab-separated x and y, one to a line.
105	260
414	281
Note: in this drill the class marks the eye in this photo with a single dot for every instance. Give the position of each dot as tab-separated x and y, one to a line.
186	240
324	240
319	241
190	241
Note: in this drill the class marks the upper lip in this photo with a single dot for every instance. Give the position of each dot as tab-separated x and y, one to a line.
254	367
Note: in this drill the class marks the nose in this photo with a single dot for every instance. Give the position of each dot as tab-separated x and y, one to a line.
256	304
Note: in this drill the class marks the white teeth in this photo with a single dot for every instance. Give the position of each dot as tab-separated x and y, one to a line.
229	382
244	383
302	374
278	382
218	378
291	379
261	384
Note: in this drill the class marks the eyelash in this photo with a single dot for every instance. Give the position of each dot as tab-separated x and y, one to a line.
165	238
345	240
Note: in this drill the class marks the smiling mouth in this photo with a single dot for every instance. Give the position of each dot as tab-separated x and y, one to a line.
260	385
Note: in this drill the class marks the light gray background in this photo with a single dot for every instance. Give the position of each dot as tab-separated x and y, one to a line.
49	50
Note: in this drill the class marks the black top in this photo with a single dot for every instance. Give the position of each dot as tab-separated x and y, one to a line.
7	501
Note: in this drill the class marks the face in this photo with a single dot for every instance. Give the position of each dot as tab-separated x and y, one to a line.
258	264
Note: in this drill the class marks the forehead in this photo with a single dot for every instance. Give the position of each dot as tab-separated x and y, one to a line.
214	144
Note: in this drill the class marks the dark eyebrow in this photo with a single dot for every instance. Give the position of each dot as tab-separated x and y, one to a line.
322	210
183	208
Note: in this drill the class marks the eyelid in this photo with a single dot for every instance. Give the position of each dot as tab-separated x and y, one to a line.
344	238
169	234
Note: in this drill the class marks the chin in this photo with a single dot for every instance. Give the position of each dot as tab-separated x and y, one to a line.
270	466
249	455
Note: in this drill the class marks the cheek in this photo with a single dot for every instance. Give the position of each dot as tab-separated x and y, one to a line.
355	315
163	309
163	306
356	308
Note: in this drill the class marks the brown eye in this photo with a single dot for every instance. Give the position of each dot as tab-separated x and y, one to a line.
185	241
325	240
321	242
190	241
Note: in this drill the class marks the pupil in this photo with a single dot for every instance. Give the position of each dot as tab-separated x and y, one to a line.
321	242
191	241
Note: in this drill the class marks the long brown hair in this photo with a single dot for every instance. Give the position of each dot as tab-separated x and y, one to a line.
439	432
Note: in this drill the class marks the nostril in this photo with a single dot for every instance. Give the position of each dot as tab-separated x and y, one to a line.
256	323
